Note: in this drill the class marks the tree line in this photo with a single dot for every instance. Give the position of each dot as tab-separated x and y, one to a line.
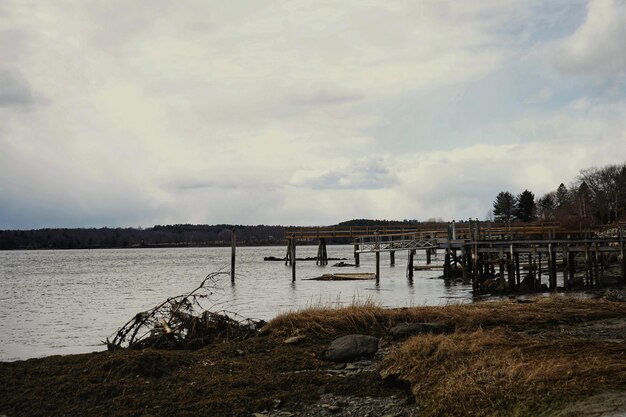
169	235
159	235
597	196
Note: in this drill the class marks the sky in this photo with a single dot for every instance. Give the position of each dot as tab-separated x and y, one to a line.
127	114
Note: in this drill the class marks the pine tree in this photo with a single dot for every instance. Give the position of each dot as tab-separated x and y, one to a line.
504	206
526	209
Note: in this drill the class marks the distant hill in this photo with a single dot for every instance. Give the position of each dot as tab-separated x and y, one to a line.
156	236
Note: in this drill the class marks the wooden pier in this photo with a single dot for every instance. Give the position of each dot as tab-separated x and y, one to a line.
493	257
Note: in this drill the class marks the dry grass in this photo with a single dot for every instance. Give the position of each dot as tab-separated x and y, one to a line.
504	358
498	372
373	319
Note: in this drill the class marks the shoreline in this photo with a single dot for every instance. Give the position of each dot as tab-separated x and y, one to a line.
565	336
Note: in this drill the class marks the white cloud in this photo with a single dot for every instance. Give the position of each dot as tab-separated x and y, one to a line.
597	47
250	112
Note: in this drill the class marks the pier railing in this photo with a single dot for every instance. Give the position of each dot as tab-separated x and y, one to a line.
465	230
393	242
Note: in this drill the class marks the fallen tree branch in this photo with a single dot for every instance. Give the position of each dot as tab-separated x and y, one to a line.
182	323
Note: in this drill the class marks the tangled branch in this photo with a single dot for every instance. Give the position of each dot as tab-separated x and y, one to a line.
182	323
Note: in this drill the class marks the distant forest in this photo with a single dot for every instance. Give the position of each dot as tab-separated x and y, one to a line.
166	236
596	197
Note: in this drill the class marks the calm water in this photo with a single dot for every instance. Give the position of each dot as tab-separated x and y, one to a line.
60	302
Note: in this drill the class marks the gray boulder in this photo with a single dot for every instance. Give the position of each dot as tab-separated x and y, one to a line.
403	330
351	347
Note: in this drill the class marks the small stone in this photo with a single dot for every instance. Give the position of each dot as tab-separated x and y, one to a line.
294	340
351	367
334	409
240	352
260	415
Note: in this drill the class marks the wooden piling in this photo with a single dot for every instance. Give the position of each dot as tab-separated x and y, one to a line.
571	263
377	256
510	272
464	263
392	258
293	259
596	265
409	266
565	266
623	258
322	254
539	269
551	267
233	251
288	257
588	267
356	255
501	264
531	271
517	269
377	266
428	256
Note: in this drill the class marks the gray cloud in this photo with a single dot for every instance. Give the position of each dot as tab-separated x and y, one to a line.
15	90
365	174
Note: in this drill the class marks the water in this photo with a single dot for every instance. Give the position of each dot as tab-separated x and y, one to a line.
61	302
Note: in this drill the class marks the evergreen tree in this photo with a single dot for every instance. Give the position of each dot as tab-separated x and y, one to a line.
504	206
546	206
525	209
562	197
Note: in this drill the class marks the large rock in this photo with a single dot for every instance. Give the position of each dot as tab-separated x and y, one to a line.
403	330
351	347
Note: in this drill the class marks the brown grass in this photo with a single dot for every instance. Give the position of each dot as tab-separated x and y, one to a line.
370	318
498	372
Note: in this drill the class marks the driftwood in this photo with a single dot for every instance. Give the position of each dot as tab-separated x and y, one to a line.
182	323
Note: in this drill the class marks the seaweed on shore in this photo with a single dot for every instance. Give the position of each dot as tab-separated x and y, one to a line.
181	322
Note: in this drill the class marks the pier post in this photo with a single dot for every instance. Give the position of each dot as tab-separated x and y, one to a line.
501	266
377	266
288	255
293	259
621	241
539	260
322	254
233	244
551	267
446	264
565	266
517	269
511	269
356	255
377	256
392	258
571	265
464	266
596	264
428	256
409	266
588	267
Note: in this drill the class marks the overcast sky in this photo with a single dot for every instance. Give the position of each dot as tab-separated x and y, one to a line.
117	113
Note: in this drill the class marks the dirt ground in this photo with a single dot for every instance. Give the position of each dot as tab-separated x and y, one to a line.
262	376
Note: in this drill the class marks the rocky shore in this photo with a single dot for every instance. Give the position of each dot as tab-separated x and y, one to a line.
558	355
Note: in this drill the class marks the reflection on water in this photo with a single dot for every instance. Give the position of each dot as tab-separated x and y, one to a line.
59	302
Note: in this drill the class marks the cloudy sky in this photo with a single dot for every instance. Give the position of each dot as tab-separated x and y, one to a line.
117	113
